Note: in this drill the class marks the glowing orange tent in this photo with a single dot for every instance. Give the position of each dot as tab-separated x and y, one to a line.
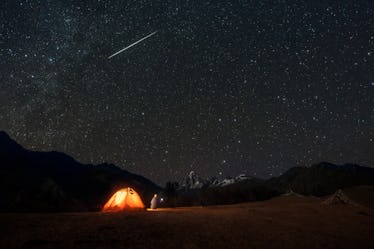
123	199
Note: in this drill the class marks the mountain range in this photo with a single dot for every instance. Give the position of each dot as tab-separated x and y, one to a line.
317	180
53	181
194	181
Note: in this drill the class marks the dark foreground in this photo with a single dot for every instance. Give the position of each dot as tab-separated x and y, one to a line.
285	222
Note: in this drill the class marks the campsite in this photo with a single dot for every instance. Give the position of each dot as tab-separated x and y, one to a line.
283	222
122	199
186	124
49	200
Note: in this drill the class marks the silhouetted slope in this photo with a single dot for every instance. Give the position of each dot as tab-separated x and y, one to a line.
323	178
53	181
243	191
253	189
319	180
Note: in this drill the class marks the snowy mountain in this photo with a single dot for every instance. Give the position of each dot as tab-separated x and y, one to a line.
194	181
229	181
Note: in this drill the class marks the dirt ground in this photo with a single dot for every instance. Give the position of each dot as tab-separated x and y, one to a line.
284	222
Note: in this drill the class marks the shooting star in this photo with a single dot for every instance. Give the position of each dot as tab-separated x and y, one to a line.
131	45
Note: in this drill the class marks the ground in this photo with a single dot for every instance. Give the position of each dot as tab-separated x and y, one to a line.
283	222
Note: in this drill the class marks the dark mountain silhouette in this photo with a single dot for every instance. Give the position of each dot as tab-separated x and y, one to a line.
323	178
53	181
244	191
318	180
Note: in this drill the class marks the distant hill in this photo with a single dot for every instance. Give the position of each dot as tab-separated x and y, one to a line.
194	181
53	181
195	190
323	178
318	180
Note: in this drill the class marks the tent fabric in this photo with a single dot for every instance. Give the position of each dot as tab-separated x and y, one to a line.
124	199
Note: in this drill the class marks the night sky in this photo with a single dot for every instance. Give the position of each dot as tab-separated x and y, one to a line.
252	87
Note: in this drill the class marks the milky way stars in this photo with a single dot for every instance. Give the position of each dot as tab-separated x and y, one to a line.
252	87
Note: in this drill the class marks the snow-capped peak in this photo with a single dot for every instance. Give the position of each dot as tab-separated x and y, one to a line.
193	181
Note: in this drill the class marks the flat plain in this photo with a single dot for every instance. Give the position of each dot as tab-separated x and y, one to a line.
283	222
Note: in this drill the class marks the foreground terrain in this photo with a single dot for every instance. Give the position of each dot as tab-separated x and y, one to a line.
284	222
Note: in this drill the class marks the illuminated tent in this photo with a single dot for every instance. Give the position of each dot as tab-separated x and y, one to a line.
123	199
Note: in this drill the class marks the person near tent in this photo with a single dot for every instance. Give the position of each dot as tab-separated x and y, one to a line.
154	202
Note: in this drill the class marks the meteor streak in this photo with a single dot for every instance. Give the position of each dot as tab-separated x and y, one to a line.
131	45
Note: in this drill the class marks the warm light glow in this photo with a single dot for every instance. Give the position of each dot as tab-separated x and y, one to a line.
125	198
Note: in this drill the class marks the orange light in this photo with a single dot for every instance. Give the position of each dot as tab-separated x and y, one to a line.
125	198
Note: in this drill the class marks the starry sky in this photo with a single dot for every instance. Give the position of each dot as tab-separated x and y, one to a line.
222	88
